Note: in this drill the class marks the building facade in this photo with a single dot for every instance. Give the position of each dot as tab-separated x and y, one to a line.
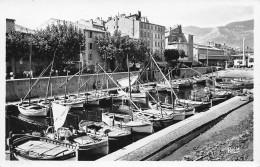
176	39
137	27
209	55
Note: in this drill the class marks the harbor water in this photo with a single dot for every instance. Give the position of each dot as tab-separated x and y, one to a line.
18	123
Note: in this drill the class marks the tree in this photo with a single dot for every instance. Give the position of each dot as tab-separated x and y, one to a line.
182	53
115	49
17	47
66	41
156	56
171	55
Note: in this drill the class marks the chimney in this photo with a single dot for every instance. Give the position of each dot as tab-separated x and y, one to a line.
139	14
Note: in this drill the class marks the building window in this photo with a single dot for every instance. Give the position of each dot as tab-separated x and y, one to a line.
151	27
90	46
148	34
155	36
90	34
155	43
141	33
151	43
90	57
158	44
141	25
144	34
148	26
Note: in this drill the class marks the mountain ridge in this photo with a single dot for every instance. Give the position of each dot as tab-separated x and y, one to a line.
231	34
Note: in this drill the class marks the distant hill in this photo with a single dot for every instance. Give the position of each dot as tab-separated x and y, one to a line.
232	34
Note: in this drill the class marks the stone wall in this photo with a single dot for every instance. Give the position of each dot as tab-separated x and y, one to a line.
18	88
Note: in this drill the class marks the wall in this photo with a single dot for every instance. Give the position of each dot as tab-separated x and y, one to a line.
17	89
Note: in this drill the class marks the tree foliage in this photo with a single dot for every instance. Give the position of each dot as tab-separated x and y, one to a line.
182	53
171	54
117	48
17	44
156	56
66	40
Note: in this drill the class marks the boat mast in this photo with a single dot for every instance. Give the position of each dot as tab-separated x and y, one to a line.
171	91
79	79
164	76
30	60
130	94
66	84
50	77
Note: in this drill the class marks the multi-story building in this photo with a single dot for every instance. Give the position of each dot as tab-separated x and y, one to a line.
209	55
98	23
137	27
89	56
176	39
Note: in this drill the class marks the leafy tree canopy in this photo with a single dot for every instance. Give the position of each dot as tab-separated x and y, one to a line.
116	47
171	54
66	40
17	44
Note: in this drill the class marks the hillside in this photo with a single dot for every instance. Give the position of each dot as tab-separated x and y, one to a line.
231	34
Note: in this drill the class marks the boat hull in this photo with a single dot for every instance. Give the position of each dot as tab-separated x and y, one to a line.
134	126
93	151
33	110
27	147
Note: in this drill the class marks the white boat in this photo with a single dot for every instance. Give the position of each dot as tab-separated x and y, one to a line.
32	109
177	108
134	95
73	102
113	132
165	86
146	88
125	121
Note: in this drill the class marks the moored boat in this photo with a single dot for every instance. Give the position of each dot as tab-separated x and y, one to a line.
113	132
28	147
33	109
125	121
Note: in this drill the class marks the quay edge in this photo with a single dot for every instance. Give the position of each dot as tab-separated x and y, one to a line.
155	146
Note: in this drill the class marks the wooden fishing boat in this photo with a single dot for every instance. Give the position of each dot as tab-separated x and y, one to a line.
28	147
72	101
33	109
158	119
147	88
188	110
90	146
113	132
134	95
125	121
165	86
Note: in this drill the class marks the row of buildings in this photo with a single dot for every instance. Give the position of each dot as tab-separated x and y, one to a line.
135	26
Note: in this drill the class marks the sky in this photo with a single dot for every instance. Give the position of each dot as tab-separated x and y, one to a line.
201	13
